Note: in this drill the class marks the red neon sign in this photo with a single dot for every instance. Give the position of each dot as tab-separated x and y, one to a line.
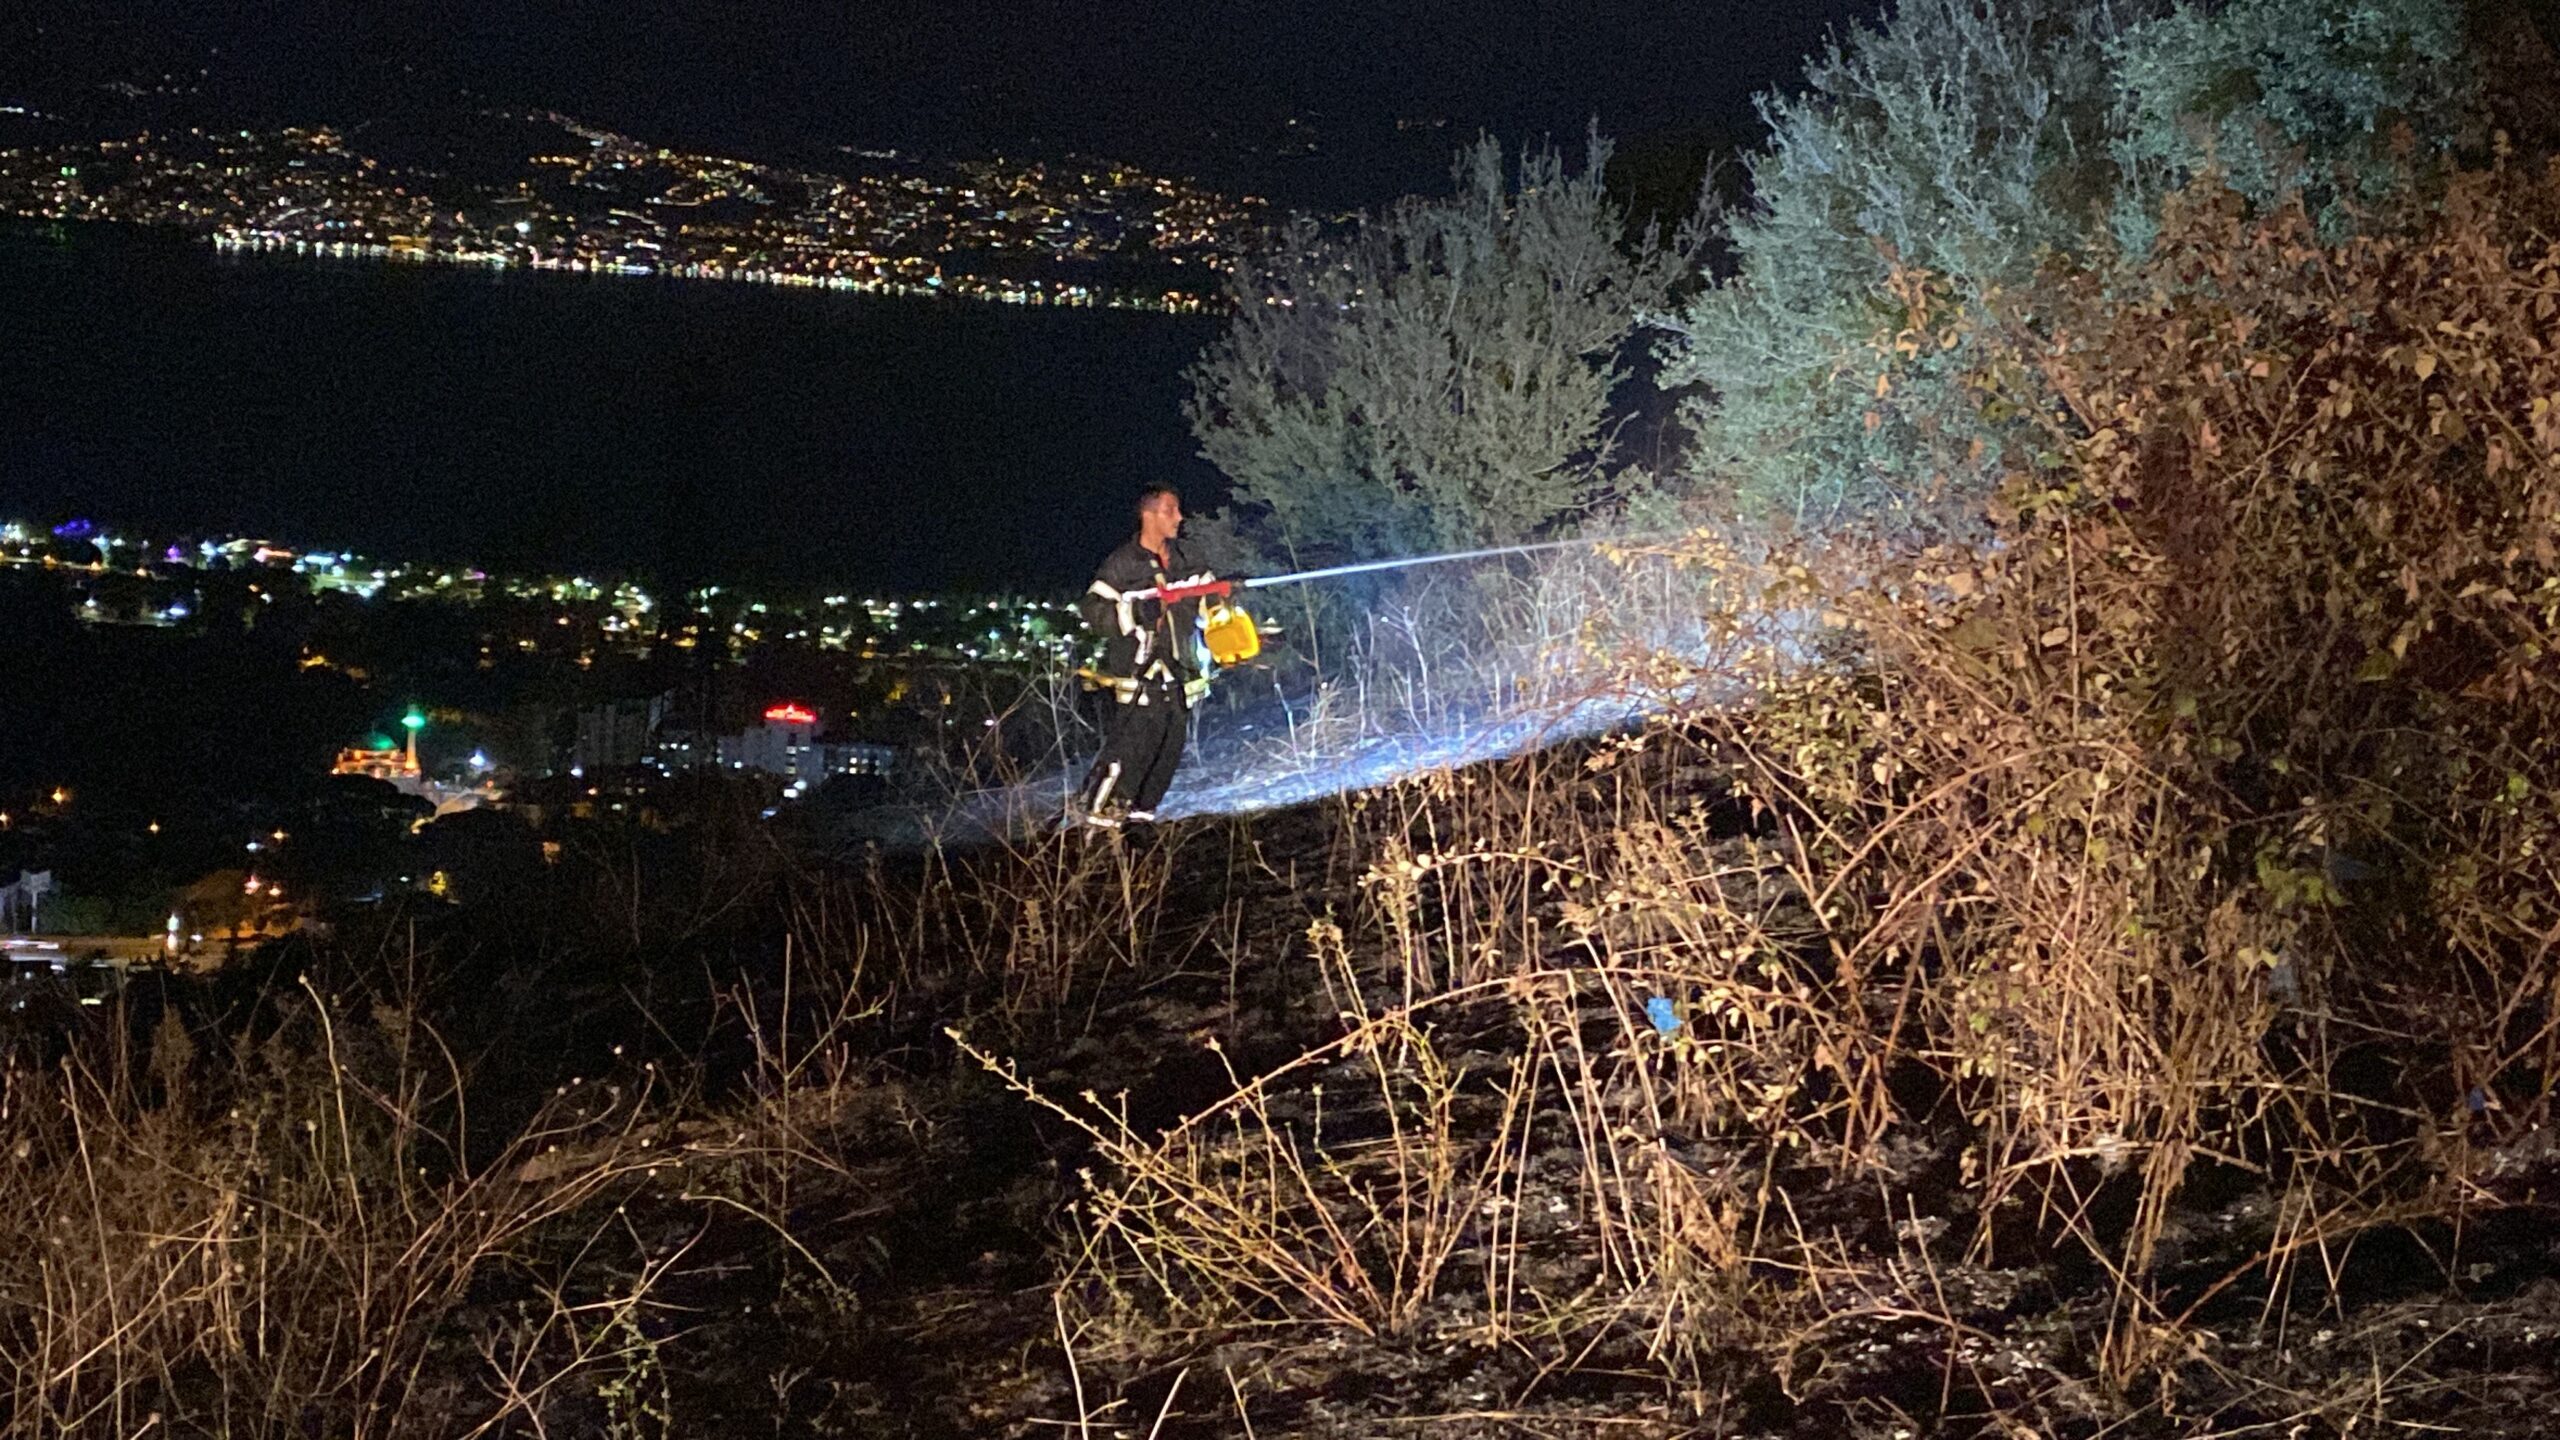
790	713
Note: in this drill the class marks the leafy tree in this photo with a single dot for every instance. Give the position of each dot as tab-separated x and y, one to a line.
1441	374
2283	97
1975	141
1964	138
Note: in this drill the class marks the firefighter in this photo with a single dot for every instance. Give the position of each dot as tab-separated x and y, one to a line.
1152	668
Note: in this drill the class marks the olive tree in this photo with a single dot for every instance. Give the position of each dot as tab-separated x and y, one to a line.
1972	142
1962	138
1439	373
2334	102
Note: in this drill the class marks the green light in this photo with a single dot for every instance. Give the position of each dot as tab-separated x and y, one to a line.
413	721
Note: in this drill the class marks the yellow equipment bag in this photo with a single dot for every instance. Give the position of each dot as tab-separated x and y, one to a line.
1230	634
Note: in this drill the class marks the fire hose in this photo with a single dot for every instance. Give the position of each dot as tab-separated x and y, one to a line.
1232	636
1223	588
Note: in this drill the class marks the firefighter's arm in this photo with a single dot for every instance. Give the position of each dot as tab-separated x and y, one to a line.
1107	608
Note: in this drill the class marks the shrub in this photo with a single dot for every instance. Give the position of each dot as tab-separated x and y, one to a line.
2208	794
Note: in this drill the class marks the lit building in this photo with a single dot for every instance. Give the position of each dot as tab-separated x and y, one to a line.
385	763
399	768
394	764
787	745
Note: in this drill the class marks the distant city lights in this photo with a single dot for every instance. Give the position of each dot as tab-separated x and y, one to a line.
616	206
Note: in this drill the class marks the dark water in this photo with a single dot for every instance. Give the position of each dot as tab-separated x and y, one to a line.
686	431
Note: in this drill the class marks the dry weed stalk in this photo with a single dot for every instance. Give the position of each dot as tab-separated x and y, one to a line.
1250	1211
296	1253
1031	918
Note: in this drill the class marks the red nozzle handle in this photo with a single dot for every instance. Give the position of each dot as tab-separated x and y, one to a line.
1169	594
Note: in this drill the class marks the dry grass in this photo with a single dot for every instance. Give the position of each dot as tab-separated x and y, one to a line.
289	1246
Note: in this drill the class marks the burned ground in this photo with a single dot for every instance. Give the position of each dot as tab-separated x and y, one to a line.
941	1263
1295	1125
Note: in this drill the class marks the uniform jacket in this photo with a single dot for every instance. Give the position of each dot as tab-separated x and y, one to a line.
1145	640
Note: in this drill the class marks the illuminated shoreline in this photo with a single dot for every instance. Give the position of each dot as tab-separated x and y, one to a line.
1028	293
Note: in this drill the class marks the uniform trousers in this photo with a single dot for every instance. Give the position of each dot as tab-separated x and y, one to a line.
1141	747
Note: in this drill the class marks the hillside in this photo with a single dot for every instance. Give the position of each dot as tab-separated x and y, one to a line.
1351	1120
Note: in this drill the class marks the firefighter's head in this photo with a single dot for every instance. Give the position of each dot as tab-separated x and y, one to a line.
1159	515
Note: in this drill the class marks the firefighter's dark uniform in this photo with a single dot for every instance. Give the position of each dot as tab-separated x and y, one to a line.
1151	672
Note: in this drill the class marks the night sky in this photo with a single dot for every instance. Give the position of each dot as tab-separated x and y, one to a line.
1208	86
